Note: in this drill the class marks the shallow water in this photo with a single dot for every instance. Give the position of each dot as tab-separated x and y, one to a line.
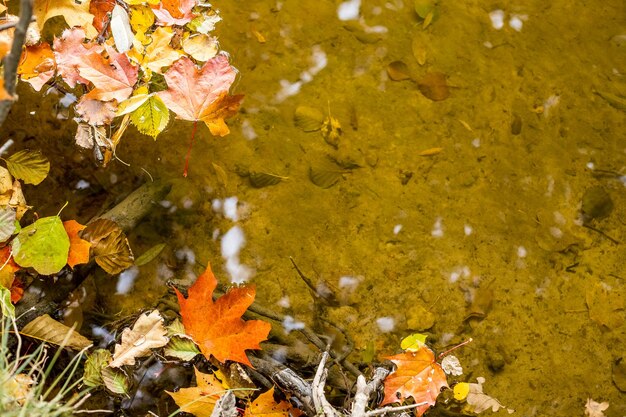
482	240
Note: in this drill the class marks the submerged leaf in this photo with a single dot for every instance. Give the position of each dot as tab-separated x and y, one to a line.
30	166
433	86
308	118
419	49
150	254
614	100
43	245
606	305
398	71
147	333
324	178
264	179
51	331
424	7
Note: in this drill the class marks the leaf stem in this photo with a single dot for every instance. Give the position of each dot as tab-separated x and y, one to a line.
193	135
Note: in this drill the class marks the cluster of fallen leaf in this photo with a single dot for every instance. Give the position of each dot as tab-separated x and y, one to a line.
132	59
48	244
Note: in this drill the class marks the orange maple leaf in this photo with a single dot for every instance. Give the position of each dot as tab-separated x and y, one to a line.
417	375
217	327
265	405
7	274
37	64
113	76
174	12
79	248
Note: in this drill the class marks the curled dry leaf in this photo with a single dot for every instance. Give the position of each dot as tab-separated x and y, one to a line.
147	333
199	400
96	112
74	13
433	86
51	331
109	245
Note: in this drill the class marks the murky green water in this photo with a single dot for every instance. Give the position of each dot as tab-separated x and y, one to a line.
482	240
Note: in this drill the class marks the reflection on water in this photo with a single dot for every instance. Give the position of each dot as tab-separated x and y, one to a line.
482	238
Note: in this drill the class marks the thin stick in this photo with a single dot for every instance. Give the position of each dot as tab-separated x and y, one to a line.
386	410
10	25
12	60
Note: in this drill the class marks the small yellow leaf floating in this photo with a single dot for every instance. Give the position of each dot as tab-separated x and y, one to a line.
414	342
199	400
308	119
324	178
264	179
331	131
398	71
430	152
434	86
461	390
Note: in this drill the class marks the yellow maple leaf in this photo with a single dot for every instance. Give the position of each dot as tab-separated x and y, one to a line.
199	400
141	19
75	13
157	54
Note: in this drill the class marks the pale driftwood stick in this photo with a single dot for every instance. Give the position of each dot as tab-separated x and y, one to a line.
322	406
386	410
10	25
364	391
12	60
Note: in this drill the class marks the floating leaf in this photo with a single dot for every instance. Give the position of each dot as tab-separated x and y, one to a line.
30	166
51	331
398	71
109	245
94	364
37	65
151	117
263	179
308	118
324	178
150	254
43	245
418	376
226	336
115	380
79	248
7	223
147	333
414	342
120	29
199	400
200	47
181	348
434	87
265	405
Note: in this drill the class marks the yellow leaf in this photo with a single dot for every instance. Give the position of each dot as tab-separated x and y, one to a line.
461	390
200	47
199	400
151	117
158	53
141	19
74	13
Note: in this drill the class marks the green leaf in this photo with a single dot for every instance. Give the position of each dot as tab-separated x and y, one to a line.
94	364
181	348
6	307
44	245
423	7
30	166
150	254
7	223
413	342
115	380
151	117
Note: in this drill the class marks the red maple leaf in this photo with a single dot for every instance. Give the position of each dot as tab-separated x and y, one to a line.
68	53
174	12
217	327
196	94
113	76
417	375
